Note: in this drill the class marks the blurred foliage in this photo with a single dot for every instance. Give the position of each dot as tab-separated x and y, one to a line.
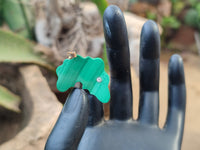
19	16
177	7
1	12
105	58
9	100
151	15
133	1
170	22
192	17
193	3
16	49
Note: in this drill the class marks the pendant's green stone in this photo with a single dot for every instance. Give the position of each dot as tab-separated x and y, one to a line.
89	71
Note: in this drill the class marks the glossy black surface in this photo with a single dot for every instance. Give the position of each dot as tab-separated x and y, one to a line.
121	132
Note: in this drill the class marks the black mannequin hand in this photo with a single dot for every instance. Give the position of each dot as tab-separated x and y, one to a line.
121	132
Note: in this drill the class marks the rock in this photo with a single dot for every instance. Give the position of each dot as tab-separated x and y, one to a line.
90	13
47	32
96	46
44	113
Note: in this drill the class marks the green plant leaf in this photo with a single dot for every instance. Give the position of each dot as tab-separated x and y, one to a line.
1	12
102	5
9	100
151	15
178	7
19	17
170	22
105	58
16	49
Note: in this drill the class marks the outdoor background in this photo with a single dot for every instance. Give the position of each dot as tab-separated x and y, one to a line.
37	35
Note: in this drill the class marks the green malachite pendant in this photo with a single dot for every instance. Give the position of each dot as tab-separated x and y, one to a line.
89	71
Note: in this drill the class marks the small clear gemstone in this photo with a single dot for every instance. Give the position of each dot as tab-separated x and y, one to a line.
99	79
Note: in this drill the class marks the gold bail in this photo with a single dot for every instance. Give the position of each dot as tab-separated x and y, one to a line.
71	54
